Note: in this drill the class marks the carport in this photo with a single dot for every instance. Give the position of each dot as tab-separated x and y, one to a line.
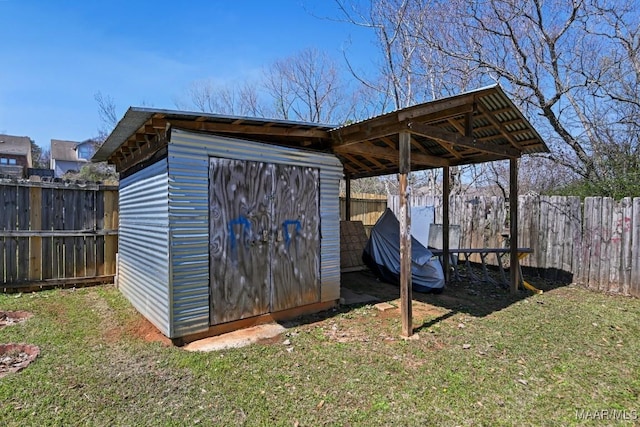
474	127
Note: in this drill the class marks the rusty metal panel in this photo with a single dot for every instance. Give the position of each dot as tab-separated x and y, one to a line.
240	200
296	220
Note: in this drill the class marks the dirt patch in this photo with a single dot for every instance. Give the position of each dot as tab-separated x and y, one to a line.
16	357
145	330
8	318
425	310
139	328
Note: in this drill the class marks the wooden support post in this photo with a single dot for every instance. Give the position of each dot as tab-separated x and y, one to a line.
514	269
446	190
405	235
347	201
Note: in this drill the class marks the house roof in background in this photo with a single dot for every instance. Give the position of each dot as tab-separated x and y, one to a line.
64	150
16	145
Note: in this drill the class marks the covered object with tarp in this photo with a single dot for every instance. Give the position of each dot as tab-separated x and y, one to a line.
382	256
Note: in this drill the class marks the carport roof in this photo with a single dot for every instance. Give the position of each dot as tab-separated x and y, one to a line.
494	127
473	127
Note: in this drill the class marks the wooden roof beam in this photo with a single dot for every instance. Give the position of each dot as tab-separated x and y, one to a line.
438	110
365	133
489	116
251	129
349	168
456	124
368	150
158	123
357	162
446	137
389	125
389	143
377	163
499	135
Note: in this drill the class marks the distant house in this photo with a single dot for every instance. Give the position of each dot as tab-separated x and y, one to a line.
15	155
70	156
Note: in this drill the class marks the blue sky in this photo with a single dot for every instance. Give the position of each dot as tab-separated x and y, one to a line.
56	55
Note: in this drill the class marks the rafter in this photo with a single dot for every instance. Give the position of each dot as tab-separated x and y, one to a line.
489	116
342	137
439	134
368	150
352	158
438	110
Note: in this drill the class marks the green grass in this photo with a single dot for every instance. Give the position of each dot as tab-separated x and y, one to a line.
535	362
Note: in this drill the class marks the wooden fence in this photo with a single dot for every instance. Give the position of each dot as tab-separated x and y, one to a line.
54	233
61	233
364	207
595	243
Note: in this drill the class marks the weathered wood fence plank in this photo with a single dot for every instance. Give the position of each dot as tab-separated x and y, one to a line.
10	223
35	220
634	283
627	223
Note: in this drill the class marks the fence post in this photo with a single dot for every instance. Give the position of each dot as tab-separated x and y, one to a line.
110	223
35	224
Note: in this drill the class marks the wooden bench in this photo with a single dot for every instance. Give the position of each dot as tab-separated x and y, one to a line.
484	253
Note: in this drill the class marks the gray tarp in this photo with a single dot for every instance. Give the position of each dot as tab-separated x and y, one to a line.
382	256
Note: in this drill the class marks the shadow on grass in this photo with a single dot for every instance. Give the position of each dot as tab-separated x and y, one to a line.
475	298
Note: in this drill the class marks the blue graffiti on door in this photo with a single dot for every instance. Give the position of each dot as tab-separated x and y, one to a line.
246	231
285	230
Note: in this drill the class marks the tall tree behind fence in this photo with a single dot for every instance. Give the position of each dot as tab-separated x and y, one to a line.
57	234
595	243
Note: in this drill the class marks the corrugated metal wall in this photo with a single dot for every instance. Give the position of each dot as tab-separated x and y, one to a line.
143	250
330	233
189	217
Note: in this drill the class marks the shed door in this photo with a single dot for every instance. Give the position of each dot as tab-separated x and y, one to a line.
296	260
264	238
239	223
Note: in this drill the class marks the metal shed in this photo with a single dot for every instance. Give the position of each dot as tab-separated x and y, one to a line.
221	230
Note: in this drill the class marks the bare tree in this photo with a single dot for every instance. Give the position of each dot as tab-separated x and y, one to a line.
572	65
231	99
407	72
306	86
107	115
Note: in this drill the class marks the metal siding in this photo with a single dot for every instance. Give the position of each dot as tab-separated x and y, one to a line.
143	247
189	236
189	216
330	234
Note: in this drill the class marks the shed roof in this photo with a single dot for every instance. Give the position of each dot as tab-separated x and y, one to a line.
143	130
472	127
